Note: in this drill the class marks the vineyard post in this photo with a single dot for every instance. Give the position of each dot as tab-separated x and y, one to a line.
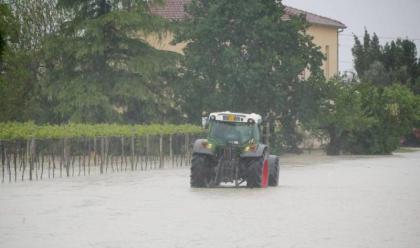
36	165
21	156
147	150
79	162
136	154
49	166
32	158
84	155
107	156
15	159
61	159
8	156
122	152
181	155
177	156
89	147
25	158
101	168
171	151
112	158
66	157
53	163
73	159
132	152
160	151
94	151
42	164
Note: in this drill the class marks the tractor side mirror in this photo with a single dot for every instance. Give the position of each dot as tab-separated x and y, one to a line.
205	122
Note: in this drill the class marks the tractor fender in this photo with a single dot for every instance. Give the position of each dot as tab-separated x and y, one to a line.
258	153
199	149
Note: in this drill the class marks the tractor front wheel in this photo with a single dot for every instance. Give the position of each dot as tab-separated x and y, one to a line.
258	173
273	179
200	171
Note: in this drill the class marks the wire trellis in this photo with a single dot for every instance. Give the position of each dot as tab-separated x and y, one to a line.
39	159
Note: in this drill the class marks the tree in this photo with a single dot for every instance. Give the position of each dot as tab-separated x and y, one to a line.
365	119
15	70
395	62
243	56
106	71
395	110
341	115
27	24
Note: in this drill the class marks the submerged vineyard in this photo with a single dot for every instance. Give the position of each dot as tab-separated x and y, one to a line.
32	152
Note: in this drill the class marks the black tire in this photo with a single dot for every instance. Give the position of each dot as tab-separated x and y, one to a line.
200	171
273	179
254	174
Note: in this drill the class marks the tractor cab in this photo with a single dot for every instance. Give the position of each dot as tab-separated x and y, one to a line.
228	128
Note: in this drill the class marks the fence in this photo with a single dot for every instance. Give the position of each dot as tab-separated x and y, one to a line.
38	159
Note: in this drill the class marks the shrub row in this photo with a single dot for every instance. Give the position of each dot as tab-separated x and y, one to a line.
14	131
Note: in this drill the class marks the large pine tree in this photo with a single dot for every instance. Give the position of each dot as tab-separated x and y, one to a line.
102	70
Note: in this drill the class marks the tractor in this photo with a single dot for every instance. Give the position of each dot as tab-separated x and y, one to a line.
233	153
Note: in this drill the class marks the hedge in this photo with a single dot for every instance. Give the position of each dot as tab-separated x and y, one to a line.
14	131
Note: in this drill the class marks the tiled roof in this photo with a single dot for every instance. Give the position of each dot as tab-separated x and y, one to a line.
314	18
174	10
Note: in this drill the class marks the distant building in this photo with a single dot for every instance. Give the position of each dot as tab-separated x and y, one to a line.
324	30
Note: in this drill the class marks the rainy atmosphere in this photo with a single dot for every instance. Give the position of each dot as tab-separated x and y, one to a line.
209	123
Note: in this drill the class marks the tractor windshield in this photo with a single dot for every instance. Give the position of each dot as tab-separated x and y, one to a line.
224	132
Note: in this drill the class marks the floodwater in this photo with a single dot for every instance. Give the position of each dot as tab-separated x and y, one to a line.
321	202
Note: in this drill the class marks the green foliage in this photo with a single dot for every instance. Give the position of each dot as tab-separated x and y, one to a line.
395	110
16	70
84	61
366	119
242	56
13	131
107	72
341	114
395	62
27	23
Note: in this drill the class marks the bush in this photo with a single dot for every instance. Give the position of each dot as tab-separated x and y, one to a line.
366	119
395	110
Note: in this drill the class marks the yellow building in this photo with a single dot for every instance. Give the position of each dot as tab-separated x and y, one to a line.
324	30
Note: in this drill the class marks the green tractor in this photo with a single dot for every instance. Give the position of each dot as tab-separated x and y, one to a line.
233	153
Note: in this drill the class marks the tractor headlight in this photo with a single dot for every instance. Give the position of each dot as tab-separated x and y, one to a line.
250	148
207	145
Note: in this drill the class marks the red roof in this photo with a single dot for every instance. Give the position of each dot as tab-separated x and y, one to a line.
174	10
314	18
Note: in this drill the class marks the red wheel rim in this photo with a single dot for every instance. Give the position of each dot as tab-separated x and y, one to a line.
264	179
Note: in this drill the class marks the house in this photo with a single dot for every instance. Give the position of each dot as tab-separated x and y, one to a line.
325	32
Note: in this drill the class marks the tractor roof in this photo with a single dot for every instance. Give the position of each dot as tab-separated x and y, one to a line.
235	117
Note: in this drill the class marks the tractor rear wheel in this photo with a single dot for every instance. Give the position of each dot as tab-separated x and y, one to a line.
257	173
200	171
273	179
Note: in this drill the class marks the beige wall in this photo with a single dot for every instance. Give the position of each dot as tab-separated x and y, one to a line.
327	39
324	36
164	43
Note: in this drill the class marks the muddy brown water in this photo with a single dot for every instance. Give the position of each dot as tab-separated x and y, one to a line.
321	202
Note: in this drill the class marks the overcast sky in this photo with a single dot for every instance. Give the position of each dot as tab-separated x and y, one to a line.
388	18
